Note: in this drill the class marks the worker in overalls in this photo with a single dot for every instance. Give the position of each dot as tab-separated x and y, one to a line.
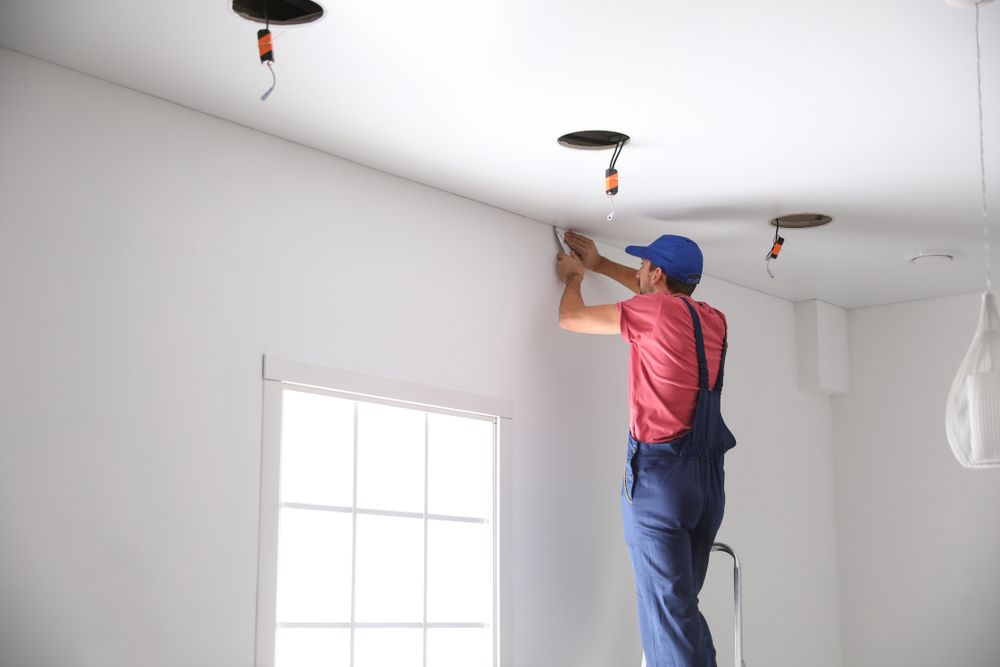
672	491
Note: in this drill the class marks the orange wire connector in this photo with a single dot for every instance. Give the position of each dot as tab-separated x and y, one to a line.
776	248
264	46
610	182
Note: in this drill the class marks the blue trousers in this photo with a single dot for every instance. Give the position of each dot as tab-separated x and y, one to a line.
673	499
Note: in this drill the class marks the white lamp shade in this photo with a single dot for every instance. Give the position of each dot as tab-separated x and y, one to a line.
972	416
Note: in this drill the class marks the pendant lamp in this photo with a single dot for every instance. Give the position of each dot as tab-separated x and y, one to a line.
972	415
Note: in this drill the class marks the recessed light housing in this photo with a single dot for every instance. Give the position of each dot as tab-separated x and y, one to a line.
801	220
932	257
593	139
278	12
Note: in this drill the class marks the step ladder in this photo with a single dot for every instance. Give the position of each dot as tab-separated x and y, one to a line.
737	603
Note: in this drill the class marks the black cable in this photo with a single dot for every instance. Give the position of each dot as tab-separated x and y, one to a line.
617	152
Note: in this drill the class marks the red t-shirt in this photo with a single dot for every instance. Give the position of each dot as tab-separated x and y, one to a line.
663	362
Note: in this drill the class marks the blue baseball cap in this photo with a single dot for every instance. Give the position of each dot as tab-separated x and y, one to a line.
677	256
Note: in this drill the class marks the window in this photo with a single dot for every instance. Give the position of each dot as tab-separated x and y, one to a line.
379	523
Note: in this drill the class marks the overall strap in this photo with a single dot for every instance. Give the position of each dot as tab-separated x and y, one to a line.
722	363
699	343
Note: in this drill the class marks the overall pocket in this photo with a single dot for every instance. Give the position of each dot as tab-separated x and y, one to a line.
630	473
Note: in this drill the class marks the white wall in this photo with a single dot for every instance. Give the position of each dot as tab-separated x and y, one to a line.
149	257
917	533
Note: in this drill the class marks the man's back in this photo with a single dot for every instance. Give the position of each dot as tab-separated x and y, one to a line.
663	364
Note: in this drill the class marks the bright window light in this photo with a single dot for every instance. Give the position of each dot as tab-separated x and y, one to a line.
459	647
459	459
317	449
312	647
314	567
459	565
382	647
390	570
390	458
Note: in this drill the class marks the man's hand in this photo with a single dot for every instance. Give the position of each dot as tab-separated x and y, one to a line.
584	248
574	315
568	266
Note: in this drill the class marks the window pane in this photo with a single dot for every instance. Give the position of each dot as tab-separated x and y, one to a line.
317	449
388	647
459	647
459	572
314	566
312	647
390	576
390	458
460	466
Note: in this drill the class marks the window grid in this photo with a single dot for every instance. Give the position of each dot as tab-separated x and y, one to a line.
354	534
425	515
426	507
371	512
367	626
494	456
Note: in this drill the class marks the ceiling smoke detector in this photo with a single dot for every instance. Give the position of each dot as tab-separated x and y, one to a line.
801	220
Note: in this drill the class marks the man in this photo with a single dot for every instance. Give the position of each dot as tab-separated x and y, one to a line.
672	495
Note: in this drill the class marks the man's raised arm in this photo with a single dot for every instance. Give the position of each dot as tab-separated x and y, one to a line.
576	316
591	259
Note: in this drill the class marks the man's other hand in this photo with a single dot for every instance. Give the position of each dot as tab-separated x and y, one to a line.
568	266
584	248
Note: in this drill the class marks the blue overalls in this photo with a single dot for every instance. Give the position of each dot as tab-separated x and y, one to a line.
672	505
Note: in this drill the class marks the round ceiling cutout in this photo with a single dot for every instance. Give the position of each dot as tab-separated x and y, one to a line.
801	220
593	139
931	258
278	12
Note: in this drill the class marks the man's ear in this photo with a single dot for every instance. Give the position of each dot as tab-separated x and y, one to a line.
659	276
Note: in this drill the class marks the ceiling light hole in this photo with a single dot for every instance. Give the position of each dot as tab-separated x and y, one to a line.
593	139
801	220
278	12
932	258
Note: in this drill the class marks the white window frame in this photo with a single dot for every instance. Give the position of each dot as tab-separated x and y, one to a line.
280	374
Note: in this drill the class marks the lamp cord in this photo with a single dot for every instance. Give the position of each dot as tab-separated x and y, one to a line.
982	154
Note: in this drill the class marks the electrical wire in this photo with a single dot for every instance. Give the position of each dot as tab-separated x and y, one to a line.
982	154
616	153
274	82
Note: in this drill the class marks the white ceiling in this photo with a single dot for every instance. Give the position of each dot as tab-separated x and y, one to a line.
739	111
